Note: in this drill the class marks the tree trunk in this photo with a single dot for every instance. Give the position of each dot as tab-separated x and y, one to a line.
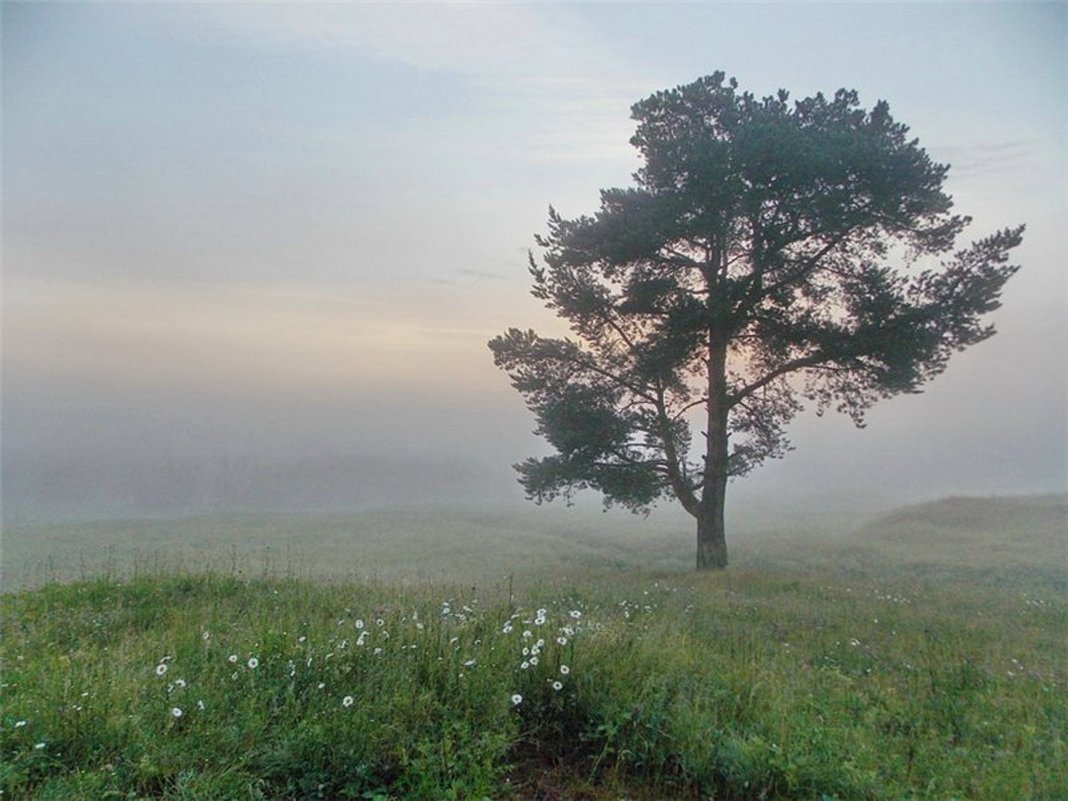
712	533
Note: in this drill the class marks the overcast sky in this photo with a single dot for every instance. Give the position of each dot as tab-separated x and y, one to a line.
279	231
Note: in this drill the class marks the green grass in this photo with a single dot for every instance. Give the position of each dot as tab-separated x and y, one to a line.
783	679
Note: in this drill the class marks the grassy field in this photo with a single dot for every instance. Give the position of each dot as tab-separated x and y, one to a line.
918	654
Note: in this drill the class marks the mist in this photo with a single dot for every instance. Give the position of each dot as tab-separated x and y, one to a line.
252	260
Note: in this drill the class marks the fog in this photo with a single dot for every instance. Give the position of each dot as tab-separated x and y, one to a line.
253	254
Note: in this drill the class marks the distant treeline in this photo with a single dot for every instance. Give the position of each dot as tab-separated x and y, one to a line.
36	491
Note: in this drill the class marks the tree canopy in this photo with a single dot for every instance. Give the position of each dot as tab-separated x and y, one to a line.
771	253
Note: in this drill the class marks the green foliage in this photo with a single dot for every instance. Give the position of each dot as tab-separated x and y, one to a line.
770	254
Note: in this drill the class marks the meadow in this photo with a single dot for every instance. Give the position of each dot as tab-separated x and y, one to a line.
916	654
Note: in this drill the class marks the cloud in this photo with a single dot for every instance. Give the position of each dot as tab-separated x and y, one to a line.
572	91
987	157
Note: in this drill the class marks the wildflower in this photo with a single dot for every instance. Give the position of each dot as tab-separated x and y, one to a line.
320	685
253	663
507	629
19	724
564	670
561	640
517	699
575	614
377	651
542	612
179	683
206	635
524	665
557	686
527	634
359	624
38	746
347	701
302	639
176	712
161	668
232	658
533	660
200	705
380	622
469	663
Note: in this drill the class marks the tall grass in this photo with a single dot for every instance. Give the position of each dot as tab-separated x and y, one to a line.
735	686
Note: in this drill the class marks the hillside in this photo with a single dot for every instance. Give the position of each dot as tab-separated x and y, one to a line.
1008	539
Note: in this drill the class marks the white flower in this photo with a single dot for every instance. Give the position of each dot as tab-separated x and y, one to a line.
232	658
524	665
161	668
19	724
206	635
320	685
564	670
469	663
359	624
542	612
561	640
38	746
179	683
200	705
253	663
575	614
527	634
557	686
347	700
302	639
539	621
507	629
517	699
380	622
533	660
176	712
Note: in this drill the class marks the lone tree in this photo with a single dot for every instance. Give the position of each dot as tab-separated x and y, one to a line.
770	253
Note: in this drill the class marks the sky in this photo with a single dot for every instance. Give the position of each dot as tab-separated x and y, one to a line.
253	252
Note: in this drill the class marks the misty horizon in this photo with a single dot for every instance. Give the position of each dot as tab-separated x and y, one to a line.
253	256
